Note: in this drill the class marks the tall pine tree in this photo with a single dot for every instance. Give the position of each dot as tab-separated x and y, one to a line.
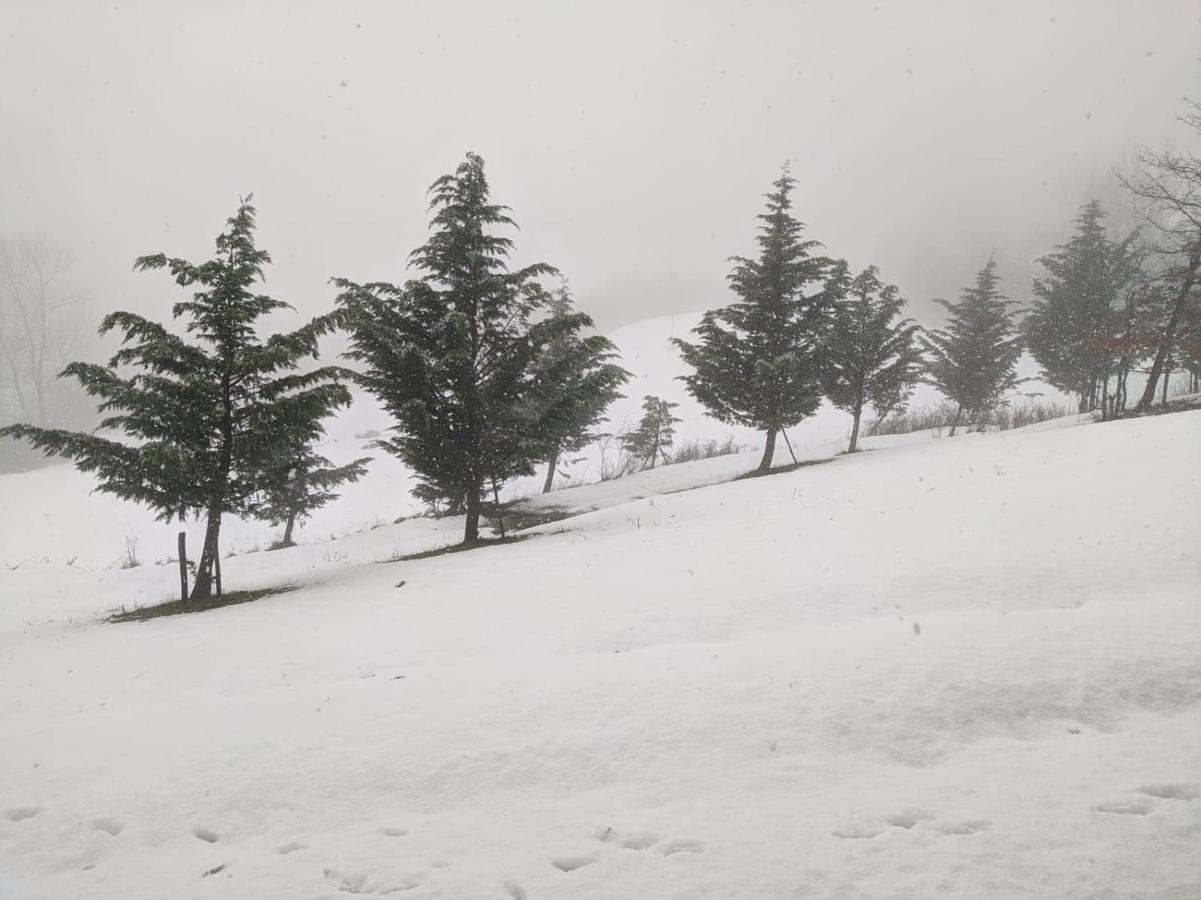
973	360
462	356
207	416
1074	306
590	384
758	362
872	355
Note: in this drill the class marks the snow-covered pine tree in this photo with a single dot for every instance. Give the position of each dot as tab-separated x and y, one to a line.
590	384
973	360
303	481
652	439
872	353
206	418
1074	306
459	356
758	362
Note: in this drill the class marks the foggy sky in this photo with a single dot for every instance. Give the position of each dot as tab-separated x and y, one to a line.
633	140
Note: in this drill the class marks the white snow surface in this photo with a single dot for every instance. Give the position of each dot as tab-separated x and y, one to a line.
963	667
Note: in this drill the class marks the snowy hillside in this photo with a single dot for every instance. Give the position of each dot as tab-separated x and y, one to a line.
34	531
944	668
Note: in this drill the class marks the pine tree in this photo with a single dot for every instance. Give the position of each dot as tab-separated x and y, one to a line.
758	361
461	356
973	360
208	415
652	439
590	385
300	483
1074	306
872	353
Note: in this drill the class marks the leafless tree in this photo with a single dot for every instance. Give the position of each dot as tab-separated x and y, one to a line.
37	329
1167	189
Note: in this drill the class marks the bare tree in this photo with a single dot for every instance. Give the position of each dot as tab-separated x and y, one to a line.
1167	188
37	331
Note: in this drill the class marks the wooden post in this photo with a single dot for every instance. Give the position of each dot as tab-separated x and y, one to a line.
183	566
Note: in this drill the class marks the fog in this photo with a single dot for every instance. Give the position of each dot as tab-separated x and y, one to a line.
633	141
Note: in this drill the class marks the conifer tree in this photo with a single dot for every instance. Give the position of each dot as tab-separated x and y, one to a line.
461	356
302	482
656	431
1074	307
973	360
206	415
758	362
591	384
872	353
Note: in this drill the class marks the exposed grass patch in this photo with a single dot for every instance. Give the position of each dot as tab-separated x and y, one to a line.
461	546
182	607
1175	405
780	470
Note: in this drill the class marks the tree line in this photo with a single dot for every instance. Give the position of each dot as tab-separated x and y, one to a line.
488	373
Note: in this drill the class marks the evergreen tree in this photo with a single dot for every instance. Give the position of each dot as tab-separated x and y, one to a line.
206	416
872	353
591	384
656	431
758	361
973	360
461	356
302	481
1074	306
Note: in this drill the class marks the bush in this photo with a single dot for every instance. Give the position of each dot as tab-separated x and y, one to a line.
691	451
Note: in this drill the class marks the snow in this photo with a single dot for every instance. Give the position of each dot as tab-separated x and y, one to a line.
963	667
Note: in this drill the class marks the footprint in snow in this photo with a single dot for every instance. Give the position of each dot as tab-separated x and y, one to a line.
109	826
1171	791
571	863
21	813
1125	807
907	819
514	890
393	831
371	882
969	826
683	845
291	847
628	840
861	831
206	834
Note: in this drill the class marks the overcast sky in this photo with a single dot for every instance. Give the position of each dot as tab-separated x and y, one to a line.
633	141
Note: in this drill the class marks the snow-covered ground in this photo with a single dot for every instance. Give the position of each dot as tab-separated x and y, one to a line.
963	667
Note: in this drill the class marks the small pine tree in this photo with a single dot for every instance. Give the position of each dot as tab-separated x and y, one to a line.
588	385
973	360
461	356
872	354
651	441
301	483
758	362
1074	306
208	417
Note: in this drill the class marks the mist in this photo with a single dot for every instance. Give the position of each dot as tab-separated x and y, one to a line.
632	143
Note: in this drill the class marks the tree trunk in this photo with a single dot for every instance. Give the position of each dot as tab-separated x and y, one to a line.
955	422
471	530
854	445
500	516
287	541
202	588
550	472
182	544
875	429
1165	344
1167	378
769	449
